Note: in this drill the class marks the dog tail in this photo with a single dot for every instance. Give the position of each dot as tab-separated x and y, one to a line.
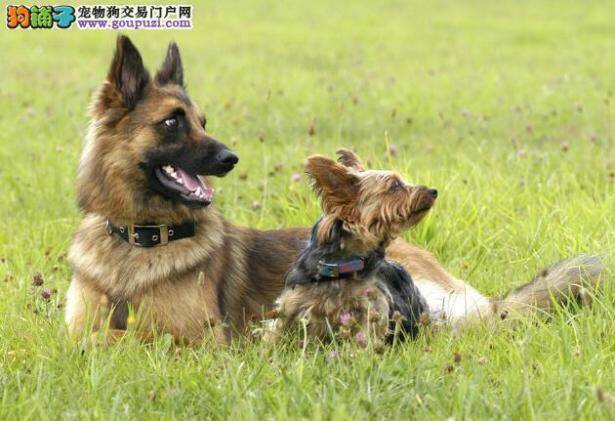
565	281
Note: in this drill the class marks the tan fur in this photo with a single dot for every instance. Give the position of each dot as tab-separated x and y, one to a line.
573	278
111	150
364	200
85	305
422	265
336	309
173	287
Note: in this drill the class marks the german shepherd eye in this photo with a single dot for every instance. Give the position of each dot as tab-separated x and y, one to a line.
171	123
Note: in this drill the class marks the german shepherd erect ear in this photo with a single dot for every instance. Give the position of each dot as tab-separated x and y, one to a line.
127	72
172	70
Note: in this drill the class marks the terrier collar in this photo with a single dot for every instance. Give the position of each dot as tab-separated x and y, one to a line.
151	235
341	268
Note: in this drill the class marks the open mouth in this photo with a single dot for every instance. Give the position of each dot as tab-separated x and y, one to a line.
189	187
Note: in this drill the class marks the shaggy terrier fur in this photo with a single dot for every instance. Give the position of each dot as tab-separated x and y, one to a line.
363	211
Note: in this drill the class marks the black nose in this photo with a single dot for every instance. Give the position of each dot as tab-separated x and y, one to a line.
227	157
433	192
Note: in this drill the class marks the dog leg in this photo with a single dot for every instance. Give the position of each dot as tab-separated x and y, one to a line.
84	305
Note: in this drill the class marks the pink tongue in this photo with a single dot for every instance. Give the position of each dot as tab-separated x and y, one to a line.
190	181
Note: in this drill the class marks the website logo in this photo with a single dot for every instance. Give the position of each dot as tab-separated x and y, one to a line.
111	17
39	17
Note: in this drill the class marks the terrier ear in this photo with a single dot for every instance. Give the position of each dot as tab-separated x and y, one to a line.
349	159
334	183
127	73
172	70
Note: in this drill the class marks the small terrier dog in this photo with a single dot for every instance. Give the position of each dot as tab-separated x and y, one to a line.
342	285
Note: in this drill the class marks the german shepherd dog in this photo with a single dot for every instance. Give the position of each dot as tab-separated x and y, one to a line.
151	243
342	286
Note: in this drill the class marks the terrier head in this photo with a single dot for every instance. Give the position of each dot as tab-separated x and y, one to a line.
374	206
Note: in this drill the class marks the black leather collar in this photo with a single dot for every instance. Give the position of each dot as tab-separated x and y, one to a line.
151	235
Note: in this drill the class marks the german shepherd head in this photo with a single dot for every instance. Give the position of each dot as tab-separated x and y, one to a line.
147	151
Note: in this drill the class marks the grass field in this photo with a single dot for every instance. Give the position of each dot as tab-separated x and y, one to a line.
507	110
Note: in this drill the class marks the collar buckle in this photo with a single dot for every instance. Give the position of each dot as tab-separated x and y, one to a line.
133	236
164	234
330	270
